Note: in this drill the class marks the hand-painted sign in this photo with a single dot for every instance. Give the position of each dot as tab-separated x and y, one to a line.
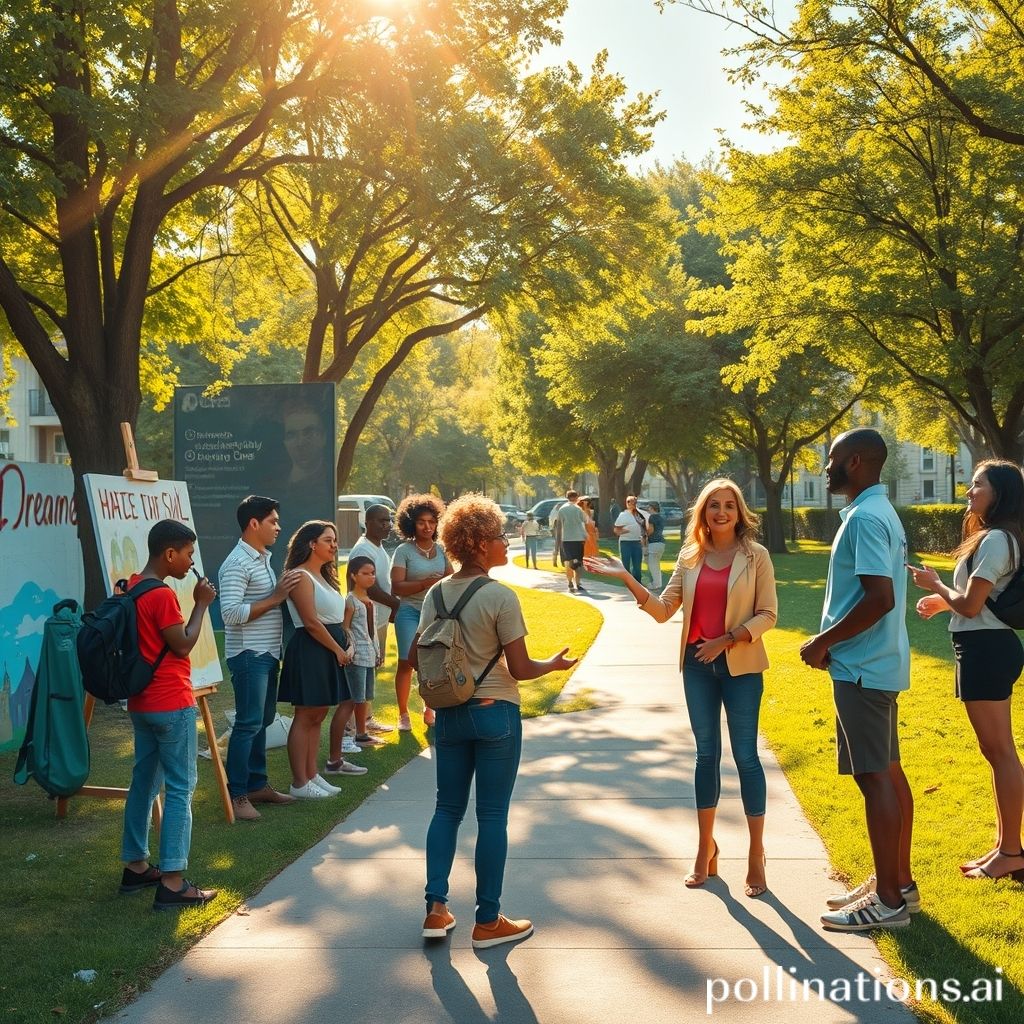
123	513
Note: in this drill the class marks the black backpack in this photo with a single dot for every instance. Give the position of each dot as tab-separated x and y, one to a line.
112	666
1008	607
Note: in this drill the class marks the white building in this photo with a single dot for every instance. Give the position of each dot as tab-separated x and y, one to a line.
31	431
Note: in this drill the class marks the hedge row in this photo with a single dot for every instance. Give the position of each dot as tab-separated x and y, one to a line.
931	529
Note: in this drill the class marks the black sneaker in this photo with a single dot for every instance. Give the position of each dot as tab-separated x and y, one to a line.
189	895
136	881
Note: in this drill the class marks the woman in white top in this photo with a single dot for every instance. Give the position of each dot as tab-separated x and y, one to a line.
989	656
312	676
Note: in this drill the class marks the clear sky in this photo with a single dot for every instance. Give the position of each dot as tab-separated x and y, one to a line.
677	54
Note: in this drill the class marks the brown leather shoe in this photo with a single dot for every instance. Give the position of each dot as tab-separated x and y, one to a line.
269	795
244	811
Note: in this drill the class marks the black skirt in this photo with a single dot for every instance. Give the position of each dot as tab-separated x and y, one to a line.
311	675
988	663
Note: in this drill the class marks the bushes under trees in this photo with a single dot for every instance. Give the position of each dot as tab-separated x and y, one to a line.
932	529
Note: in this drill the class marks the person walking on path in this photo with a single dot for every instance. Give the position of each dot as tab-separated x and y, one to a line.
530	532
655	543
250	605
556	539
631	529
417	565
385	604
572	523
313	675
725	584
590	545
163	720
988	652
863	645
482	738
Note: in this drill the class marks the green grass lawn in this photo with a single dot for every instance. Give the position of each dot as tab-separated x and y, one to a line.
967	929
59	903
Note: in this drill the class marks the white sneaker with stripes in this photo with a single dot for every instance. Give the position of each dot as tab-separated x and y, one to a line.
865	914
911	895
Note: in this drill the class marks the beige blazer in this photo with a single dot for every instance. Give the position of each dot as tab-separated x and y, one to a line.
752	602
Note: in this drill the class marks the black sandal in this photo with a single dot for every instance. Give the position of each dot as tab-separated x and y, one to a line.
1017	876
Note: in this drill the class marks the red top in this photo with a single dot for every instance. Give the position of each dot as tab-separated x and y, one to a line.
171	688
707	619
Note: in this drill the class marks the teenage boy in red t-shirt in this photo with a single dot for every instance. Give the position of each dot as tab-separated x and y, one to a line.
164	722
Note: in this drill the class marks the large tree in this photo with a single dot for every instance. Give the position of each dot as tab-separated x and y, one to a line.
464	190
886	231
114	117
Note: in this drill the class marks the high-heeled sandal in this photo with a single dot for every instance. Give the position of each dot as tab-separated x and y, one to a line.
753	891
695	879
982	871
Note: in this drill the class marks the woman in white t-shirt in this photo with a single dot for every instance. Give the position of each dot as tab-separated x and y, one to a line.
989	656
482	738
631	529
312	675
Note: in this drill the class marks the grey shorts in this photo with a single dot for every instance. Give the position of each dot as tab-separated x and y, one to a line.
866	734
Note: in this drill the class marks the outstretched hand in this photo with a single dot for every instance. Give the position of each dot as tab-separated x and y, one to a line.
605	566
559	662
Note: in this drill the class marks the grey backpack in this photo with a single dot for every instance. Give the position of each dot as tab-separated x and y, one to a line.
442	663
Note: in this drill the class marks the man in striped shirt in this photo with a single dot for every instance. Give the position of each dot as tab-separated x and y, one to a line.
250	605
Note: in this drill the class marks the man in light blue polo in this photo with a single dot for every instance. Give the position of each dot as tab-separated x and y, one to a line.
864	647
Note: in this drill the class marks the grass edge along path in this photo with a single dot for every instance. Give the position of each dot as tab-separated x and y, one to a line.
59	904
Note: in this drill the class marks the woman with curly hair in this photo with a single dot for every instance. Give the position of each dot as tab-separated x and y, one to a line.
725	584
483	737
416	566
313	675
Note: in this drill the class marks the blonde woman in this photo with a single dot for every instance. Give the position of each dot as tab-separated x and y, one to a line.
725	584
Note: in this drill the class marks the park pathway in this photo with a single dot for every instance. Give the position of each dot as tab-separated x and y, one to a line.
601	831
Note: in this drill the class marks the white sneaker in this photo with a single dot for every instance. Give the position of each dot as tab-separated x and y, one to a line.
310	791
372	725
319	780
911	894
345	768
349	746
865	914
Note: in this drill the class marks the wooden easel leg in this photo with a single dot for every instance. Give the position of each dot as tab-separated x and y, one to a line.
218	764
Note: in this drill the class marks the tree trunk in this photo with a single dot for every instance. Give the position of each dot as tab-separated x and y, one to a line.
773	527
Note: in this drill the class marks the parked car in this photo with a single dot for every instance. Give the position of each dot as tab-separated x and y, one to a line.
543	509
361	502
514	517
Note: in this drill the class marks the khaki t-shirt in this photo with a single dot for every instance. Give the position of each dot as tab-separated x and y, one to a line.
492	619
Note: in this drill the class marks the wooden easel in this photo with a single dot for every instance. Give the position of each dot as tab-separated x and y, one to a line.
134	472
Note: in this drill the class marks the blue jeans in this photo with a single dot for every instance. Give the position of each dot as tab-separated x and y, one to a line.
165	752
707	688
484	740
532	546
254	677
631	553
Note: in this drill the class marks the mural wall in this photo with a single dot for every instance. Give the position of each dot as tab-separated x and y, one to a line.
42	564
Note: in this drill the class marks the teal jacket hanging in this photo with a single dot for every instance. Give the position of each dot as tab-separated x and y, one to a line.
56	748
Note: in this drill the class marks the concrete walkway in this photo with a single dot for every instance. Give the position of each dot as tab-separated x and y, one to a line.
602	828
